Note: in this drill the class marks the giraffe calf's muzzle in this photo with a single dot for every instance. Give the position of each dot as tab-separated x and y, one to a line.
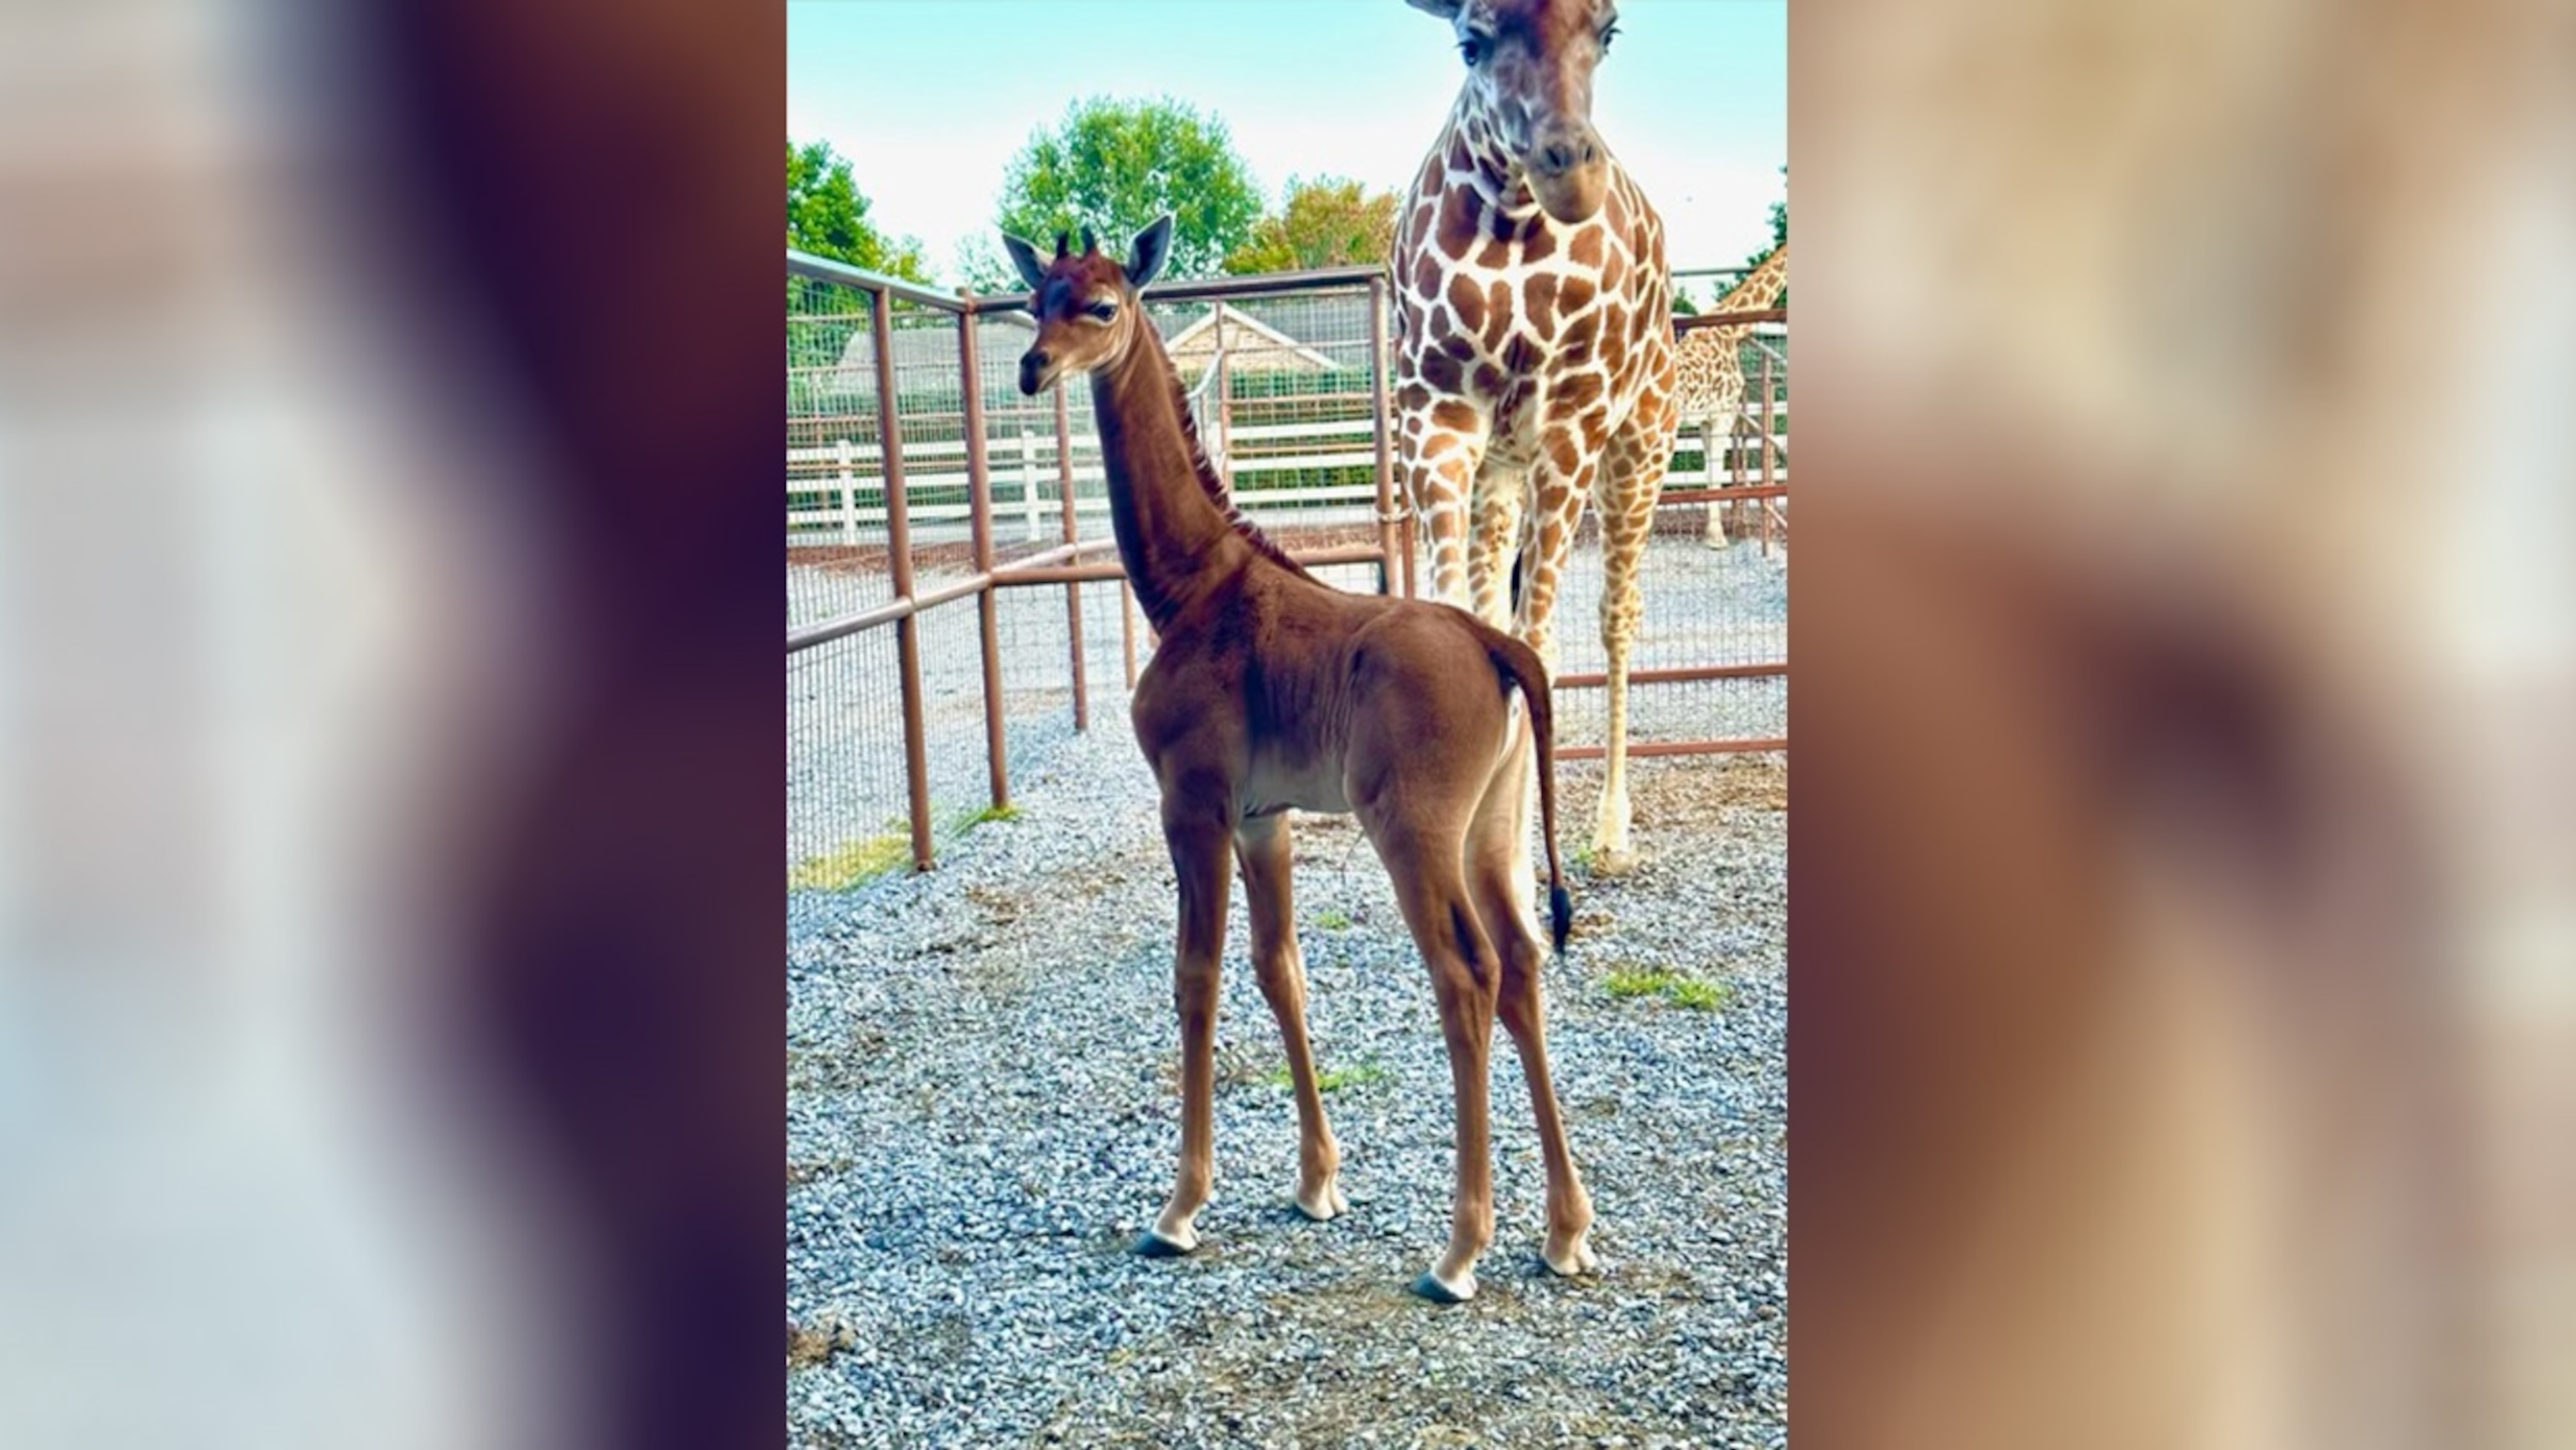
1036	371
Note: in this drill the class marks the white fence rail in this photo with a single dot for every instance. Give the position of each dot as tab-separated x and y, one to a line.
848	474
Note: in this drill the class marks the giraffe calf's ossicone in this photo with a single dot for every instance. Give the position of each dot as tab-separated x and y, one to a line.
1271	691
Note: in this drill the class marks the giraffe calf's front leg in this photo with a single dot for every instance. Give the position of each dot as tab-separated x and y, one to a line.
1200	852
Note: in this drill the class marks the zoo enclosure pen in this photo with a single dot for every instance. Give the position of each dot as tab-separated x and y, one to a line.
1388	549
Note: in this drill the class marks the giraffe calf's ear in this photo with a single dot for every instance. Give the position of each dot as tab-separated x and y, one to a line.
1153	248
1025	258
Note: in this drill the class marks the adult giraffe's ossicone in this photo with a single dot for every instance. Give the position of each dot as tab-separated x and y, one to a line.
1534	347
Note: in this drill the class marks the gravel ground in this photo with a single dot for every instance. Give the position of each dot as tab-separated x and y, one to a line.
982	1113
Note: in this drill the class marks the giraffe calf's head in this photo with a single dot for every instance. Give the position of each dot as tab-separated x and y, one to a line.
1084	303
1529	78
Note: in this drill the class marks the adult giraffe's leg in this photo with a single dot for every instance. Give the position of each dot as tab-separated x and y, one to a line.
1261	844
1710	450
1495	541
1439	464
1495	884
1627	510
1199	840
1560	486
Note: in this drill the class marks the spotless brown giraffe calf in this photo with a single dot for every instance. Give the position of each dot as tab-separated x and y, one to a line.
1271	690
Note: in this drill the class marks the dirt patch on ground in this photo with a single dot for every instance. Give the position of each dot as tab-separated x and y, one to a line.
1683	793
816	1342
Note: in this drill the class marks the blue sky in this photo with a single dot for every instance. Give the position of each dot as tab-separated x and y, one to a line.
930	98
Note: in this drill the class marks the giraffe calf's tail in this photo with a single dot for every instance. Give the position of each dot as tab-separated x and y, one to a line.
1521	666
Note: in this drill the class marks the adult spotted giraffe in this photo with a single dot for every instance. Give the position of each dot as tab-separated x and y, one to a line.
1711	370
1534	344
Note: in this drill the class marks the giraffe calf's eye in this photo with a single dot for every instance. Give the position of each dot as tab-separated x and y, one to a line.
1102	310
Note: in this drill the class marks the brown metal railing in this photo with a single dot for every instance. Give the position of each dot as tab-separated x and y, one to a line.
1392	550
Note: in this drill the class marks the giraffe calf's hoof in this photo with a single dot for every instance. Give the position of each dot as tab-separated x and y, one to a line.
1441	1291
1151	1244
1323	1206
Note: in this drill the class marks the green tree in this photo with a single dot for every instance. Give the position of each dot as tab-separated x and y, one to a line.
1116	165
1329	221
827	216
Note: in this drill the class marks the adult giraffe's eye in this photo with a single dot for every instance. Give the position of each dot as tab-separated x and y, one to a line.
1608	31
1475	48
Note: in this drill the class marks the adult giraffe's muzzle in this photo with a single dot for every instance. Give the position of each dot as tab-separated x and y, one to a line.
1568	171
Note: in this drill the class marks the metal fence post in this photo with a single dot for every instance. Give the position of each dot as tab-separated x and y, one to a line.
1386	523
849	503
1764	507
1028	479
1072	592
1224	405
1127	630
907	630
979	508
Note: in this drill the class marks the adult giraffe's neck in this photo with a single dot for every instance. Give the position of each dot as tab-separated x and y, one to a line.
1760	287
1173	536
1470	148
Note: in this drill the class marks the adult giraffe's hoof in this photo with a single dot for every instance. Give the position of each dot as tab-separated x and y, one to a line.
1151	1244
1324	1205
1614	860
1572	1258
1442	1291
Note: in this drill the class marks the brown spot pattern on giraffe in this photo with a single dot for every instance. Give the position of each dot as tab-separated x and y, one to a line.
1579	390
1538	305
1575	347
1561	449
1498	316
1458	221
1468	301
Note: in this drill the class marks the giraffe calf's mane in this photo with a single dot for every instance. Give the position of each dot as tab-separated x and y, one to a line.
1217	492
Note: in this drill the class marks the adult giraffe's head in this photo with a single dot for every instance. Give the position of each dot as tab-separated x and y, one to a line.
1529	80
1084	303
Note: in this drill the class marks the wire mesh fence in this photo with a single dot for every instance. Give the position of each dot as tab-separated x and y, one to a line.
892	546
